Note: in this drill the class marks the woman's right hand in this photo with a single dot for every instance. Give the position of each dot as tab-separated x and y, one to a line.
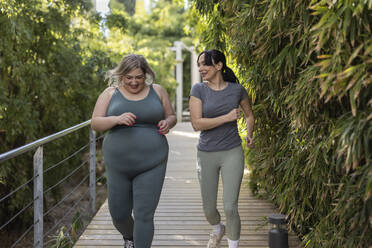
233	115
127	118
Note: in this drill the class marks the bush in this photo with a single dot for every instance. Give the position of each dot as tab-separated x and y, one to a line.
307	65
49	80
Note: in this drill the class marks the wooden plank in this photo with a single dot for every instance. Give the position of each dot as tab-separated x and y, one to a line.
179	218
166	237
159	246
179	231
176	242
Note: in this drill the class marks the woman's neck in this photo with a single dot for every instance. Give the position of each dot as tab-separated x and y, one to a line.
136	94
217	83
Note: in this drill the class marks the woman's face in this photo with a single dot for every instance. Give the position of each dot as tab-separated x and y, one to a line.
134	81
208	72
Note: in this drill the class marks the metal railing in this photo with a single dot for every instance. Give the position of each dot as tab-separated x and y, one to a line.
38	175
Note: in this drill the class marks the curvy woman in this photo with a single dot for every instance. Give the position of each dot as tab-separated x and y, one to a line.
214	109
136	115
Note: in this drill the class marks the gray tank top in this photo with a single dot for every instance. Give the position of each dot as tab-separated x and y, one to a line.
148	110
137	147
216	103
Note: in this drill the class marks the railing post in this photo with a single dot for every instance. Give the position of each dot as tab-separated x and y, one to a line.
179	78
92	171
38	198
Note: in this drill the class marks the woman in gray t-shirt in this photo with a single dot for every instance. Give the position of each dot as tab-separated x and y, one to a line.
214	110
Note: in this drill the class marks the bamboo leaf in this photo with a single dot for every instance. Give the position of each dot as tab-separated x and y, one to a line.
310	75
354	54
324	56
369	117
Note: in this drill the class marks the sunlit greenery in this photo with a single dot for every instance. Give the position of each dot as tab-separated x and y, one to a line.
152	35
53	59
52	63
307	66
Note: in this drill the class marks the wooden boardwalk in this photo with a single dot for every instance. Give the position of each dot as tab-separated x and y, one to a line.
179	220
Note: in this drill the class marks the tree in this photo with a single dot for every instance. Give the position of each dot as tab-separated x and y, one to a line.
50	76
307	66
128	5
151	35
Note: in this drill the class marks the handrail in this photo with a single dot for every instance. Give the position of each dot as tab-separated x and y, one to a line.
20	150
38	176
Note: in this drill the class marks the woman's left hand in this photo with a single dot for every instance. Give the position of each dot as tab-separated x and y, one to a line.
163	127
249	140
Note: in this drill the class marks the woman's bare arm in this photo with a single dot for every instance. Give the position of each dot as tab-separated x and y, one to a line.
170	119
199	123
101	122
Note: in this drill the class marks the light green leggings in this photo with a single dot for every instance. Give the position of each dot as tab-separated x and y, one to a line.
231	165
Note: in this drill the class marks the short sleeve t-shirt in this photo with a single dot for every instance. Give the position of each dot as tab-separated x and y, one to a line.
216	103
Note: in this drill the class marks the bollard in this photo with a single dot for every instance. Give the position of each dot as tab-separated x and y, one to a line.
278	236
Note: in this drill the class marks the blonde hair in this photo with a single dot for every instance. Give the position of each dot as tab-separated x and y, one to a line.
126	65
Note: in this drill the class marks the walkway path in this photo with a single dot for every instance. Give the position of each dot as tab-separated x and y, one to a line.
179	220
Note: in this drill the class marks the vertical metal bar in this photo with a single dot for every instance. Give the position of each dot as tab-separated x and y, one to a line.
92	171
179	78
38	197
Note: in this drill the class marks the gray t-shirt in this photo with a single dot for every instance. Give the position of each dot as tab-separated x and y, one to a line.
216	103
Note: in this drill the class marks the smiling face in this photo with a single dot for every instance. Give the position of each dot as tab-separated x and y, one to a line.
134	81
208	72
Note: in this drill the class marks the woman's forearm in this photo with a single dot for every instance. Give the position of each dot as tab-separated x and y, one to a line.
103	123
202	124
172	121
250	125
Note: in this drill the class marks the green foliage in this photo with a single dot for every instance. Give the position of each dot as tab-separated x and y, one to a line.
61	240
64	239
51	72
117	20
151	35
53	59
307	66
128	6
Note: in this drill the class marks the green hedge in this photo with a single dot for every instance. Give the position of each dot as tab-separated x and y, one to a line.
308	67
50	77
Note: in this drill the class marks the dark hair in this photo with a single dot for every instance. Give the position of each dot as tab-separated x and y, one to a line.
213	57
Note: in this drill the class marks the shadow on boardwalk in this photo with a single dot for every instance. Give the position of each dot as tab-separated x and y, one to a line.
179	220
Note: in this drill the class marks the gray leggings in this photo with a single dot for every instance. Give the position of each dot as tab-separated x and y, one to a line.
137	192
231	165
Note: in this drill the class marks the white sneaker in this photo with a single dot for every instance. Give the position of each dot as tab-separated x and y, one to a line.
128	243
215	240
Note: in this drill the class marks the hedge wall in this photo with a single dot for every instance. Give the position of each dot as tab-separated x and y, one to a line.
308	67
50	76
